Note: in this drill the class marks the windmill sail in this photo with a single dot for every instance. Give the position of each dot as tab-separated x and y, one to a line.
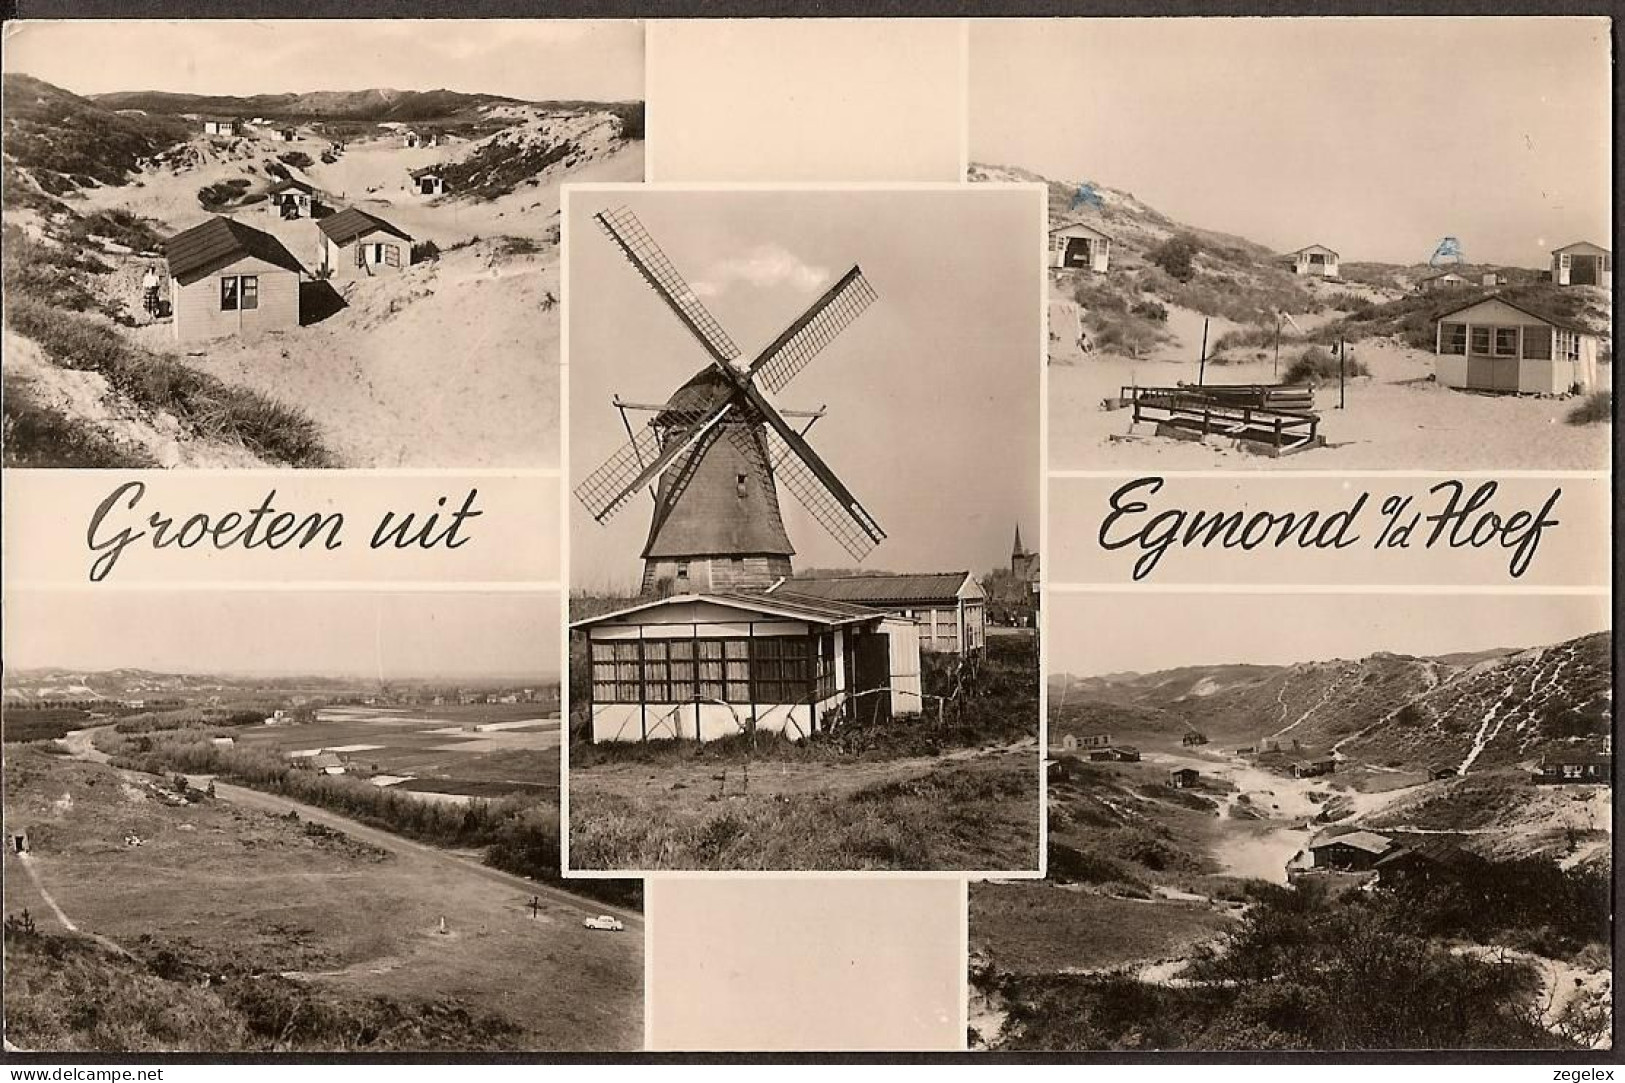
803	340
815	485
638	462
658	270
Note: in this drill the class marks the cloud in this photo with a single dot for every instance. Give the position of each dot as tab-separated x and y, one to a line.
764	266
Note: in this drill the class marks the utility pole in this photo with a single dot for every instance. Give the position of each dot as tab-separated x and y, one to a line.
1342	369
1201	371
1277	345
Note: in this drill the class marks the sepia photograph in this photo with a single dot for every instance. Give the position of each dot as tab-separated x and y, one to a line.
298	243
1310	243
1370	822
803	617
286	822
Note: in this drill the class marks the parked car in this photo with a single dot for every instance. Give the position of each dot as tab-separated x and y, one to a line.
606	923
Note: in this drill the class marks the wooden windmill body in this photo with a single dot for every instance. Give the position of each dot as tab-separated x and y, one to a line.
717	450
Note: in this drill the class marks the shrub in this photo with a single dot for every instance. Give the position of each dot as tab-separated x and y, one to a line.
1597	408
1317	364
1150	310
424	251
1175	256
298	159
208	406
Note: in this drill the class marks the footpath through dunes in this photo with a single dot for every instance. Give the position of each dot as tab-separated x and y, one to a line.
250	885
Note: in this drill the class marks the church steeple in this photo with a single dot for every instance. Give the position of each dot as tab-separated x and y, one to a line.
1018	551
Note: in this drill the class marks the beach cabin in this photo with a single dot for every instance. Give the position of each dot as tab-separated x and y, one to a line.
219	126
1353	852
428	184
950	607
1079	247
1184	778
355	244
284	135
1495	345
1583	264
227	278
1491	279
704	666
1316	259
291	198
1575	767
1443	280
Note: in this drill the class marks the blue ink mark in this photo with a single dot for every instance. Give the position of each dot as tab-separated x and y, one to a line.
1086	196
1449	249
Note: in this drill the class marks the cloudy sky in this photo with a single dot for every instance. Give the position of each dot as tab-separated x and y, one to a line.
528	59
932	393
318	633
1094	634
1375	136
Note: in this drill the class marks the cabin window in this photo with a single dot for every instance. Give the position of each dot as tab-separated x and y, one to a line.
615	671
1537	343
782	669
1506	342
682	571
739	485
251	291
1481	341
360	255
229	300
734	670
1453	338
824	673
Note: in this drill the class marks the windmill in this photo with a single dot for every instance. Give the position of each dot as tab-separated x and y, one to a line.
716	451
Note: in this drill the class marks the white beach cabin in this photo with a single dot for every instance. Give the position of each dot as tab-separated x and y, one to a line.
1494	345
1314	259
1079	247
1583	264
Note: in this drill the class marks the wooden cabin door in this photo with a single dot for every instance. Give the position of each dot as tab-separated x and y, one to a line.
872	670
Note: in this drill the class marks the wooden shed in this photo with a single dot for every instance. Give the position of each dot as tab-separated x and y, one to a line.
1081	247
951	607
1184	778
1442	280
1495	345
291	198
428	184
355	244
1356	851
227	278
222	126
1314	259
1583	264
1575	767
704	666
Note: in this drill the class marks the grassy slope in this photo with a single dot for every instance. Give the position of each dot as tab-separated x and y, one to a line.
219	902
959	793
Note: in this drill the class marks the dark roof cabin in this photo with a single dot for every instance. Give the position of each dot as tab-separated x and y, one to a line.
355	244
1356	851
229	278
